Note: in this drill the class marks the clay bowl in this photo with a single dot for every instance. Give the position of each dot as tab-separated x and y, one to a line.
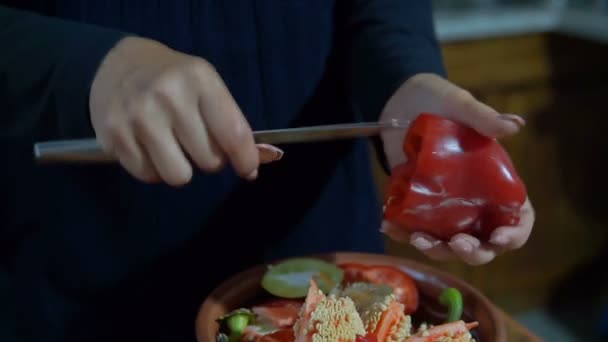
243	288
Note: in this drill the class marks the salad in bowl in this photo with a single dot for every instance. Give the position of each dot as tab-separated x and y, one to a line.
347	297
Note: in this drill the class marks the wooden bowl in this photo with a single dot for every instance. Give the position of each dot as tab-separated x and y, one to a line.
245	287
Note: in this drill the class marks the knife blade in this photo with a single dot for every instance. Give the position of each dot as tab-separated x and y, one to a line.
89	150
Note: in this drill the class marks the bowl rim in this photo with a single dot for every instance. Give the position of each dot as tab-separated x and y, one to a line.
227	286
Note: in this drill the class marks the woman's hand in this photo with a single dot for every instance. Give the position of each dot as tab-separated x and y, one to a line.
431	93
155	109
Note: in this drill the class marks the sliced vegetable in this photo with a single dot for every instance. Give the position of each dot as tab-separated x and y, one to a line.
454	181
266	334
236	322
328	319
404	286
452	298
366	338
291	278
280	313
283	335
454	331
382	315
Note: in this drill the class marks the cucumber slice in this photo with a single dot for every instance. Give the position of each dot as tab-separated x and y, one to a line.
291	278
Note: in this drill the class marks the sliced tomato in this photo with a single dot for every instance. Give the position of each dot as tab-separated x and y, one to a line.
402	283
257	334
283	335
366	338
280	313
353	272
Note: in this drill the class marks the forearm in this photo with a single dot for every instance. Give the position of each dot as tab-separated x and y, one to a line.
46	70
389	41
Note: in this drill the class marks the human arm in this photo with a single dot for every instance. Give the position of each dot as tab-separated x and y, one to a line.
396	72
387	42
160	112
47	66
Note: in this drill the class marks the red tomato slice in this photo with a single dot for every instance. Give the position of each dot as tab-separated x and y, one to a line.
284	335
353	272
366	338
402	283
281	313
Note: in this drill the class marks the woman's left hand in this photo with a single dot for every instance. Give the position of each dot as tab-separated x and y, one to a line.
434	94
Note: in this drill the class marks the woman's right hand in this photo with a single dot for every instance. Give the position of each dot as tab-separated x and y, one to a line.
154	109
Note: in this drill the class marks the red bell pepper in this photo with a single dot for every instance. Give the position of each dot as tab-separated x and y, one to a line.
455	180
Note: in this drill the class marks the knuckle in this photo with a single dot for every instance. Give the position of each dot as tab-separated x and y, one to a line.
182	116
139	122
136	103
113	134
202	71
239	139
167	83
110	123
463	95
201	66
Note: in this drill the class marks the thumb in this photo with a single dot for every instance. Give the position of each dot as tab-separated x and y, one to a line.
463	107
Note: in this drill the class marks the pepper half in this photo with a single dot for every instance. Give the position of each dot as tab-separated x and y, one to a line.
455	180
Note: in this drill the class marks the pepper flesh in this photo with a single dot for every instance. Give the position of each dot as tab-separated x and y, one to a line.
454	181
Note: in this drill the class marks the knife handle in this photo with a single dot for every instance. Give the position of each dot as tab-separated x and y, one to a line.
78	150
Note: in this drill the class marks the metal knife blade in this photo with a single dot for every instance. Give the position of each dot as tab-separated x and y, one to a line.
89	150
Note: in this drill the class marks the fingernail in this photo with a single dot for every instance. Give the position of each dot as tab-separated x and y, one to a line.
465	246
515	119
499	240
253	175
269	153
422	244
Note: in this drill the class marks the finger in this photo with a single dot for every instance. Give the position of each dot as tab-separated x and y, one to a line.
515	118
120	142
142	167
194	137
175	97
228	127
269	153
517	236
396	233
471	250
392	140
161	145
431	247
463	107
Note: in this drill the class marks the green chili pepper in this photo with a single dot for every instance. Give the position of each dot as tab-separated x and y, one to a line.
237	325
452	298
236	322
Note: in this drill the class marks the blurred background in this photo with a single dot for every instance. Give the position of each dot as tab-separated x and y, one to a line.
547	61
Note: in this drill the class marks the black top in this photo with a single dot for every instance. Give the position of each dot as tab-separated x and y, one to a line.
96	255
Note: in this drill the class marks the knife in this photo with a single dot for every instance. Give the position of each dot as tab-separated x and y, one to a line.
89	150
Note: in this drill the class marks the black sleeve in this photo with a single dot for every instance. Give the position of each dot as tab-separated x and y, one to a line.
388	42
47	66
